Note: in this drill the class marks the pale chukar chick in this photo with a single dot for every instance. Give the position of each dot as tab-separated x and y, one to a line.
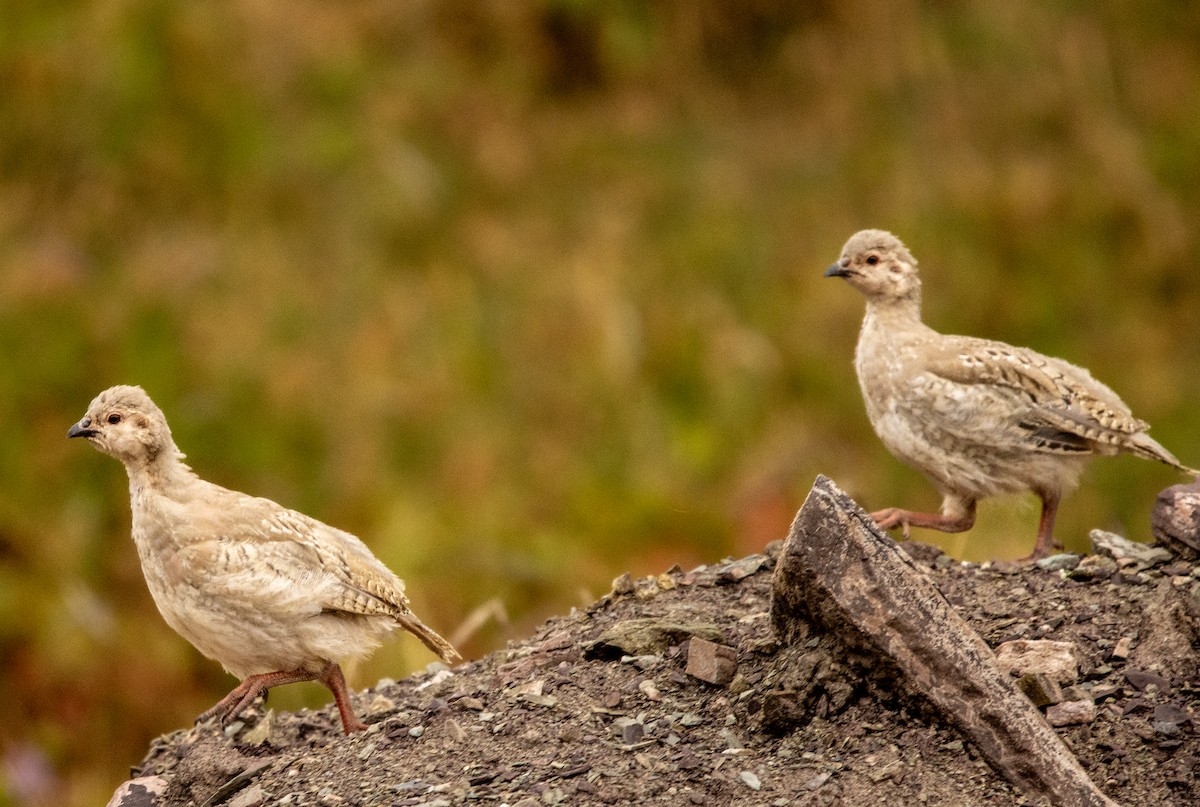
275	596
977	417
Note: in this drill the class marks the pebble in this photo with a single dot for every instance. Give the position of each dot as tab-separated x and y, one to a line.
818	780
1119	547
1093	567
1167	719
711	662
1060	562
1140	680
441	676
1054	659
750	779
1123	648
1071	713
252	796
647	688
262	731
740	569
643	663
631	729
145	791
1040	688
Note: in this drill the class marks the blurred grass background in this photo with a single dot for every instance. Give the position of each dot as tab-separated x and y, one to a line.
529	294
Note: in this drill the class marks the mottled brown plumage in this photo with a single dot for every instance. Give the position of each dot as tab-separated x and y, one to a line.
977	417
275	596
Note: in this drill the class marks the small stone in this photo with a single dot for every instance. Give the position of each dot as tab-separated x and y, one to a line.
253	796
711	662
1071	713
379	703
1075	692
647	636
740	569
1093	567
732	740
1060	562
623	584
691	720
647	688
1122	648
145	791
751	780
643	663
547	701
1118	547
632	731
817	781
1167	719
440	675
416	731
1140	680
474	704
1054	659
1041	689
262	731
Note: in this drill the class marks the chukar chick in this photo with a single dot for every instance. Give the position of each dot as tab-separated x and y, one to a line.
977	417
275	596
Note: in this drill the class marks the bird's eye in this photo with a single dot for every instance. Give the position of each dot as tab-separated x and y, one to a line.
872	260
114	418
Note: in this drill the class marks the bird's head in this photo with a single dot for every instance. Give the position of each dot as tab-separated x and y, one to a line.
124	422
879	265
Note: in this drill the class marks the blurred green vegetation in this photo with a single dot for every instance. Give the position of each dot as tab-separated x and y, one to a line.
529	294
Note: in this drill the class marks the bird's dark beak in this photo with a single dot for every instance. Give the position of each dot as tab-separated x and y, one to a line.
82	429
836	270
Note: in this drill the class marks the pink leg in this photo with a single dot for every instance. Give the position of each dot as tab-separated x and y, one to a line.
332	677
249	689
1045	535
894	517
253	686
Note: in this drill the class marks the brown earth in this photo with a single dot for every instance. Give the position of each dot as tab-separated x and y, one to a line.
565	719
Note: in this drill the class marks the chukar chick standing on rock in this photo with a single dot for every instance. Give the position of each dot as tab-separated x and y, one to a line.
273	595
977	417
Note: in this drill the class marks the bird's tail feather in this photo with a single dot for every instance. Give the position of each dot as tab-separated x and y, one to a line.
1148	448
429	638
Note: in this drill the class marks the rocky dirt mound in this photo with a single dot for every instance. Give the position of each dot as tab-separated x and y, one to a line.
655	694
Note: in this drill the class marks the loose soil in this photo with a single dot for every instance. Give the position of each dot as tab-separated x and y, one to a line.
562	719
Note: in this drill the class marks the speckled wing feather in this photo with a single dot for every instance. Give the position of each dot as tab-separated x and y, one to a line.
1068	411
268	547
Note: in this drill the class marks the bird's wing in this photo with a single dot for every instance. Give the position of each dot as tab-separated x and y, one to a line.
1059	405
260	545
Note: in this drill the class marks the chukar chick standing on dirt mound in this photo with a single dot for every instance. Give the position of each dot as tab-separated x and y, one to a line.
977	417
273	595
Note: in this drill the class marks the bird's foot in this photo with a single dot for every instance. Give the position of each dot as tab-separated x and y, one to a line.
250	688
894	517
891	518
